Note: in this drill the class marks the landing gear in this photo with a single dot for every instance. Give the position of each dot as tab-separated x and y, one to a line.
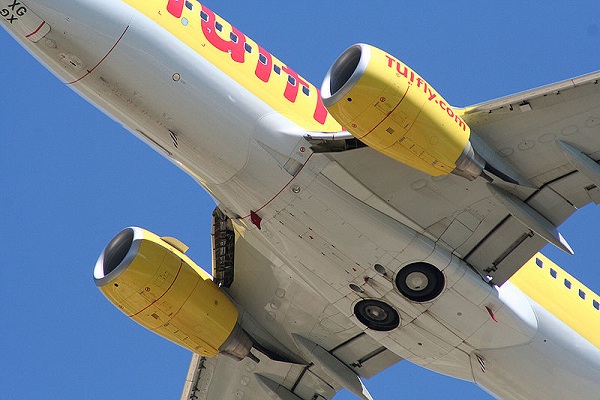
223	244
377	315
420	282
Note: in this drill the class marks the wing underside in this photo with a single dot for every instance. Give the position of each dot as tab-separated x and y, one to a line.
496	230
292	308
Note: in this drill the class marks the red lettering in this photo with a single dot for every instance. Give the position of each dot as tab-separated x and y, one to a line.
390	61
264	66
403	72
293	84
421	82
235	47
320	114
291	93
175	7
461	123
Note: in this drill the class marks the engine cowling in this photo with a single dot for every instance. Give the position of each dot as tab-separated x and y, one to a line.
389	107
153	282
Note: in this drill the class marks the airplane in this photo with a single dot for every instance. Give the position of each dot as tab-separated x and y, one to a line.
356	150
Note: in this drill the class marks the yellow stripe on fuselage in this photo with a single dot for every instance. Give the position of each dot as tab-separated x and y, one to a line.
548	285
241	59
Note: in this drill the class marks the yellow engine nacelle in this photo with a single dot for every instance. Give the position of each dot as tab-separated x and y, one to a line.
390	108
153	282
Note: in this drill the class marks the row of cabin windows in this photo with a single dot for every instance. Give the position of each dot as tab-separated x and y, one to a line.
234	38
568	284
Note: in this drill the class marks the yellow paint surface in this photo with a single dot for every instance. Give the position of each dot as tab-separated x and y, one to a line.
166	292
395	111
302	103
554	295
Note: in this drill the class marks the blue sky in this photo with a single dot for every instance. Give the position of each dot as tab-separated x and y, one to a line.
71	178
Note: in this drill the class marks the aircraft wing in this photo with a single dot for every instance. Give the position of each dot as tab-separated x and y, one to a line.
292	307
550	136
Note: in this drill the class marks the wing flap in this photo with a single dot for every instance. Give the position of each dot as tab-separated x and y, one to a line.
551	204
365	356
222	377
577	189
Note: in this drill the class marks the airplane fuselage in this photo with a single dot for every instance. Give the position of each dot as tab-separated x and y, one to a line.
235	118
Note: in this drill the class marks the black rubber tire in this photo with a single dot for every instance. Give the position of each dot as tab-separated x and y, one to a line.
435	282
377	315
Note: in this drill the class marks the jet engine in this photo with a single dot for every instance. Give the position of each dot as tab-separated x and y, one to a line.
153	282
390	108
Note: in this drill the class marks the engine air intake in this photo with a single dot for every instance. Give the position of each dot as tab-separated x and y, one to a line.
116	250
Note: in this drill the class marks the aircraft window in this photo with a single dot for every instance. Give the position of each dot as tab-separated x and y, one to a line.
539	263
234	37
204	16
189	5
262	58
596	305
553	273
218	26
184	21
305	90
292	80
277	69
582	294
568	283
248	47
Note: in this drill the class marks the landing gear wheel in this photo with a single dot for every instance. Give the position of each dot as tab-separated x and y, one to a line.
420	282
377	315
